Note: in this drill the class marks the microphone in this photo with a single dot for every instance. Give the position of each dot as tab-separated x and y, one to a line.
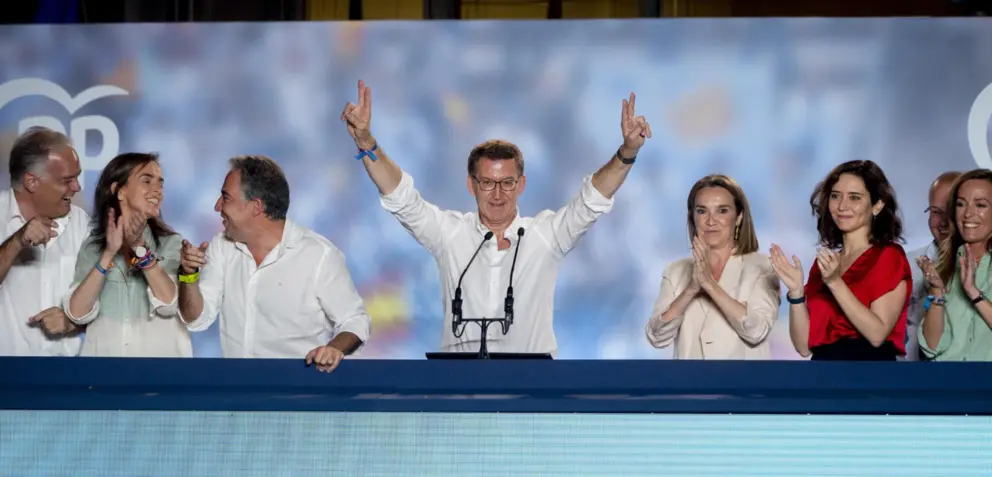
456	303
508	302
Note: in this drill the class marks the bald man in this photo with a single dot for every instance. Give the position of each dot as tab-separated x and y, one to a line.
937	219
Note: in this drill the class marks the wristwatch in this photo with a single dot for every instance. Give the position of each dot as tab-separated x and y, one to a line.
626	160
140	251
978	299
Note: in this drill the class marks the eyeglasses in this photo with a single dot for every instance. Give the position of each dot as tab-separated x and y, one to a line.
489	184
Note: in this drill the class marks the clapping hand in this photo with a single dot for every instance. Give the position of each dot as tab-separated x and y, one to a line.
134	224
702	276
791	273
115	233
635	128
828	262
968	266
930	273
358	117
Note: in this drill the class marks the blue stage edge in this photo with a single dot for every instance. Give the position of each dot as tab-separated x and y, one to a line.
774	387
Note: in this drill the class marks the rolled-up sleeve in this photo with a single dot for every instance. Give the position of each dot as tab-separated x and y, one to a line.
84	319
86	260
427	223
170	264
211	284
339	299
660	332
762	309
944	344
572	221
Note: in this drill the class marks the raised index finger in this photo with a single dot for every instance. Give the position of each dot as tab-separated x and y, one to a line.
361	93
633	100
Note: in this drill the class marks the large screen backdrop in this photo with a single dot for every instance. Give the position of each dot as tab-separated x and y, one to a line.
773	103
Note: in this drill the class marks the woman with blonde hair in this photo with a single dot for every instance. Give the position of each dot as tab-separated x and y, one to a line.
722	302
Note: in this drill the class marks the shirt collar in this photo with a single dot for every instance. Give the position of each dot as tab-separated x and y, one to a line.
14	212
510	233
292	235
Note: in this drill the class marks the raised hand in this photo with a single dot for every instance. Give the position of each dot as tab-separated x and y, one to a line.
828	262
192	257
134	225
702	275
358	117
115	233
38	231
930	273
635	128
791	273
967	267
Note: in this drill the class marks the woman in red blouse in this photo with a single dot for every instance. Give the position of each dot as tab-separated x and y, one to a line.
854	305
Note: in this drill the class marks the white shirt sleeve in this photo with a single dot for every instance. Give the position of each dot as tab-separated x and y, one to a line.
338	297
427	223
211	283
572	221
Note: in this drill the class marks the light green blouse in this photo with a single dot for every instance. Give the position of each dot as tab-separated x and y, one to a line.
967	337
128	320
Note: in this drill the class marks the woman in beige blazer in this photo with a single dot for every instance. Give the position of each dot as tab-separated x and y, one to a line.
721	302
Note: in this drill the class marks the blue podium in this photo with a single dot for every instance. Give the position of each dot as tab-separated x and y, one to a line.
100	417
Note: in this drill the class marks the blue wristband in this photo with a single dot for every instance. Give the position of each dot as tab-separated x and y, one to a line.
367	152
103	271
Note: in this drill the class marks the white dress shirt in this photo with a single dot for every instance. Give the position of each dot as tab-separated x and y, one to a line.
299	298
452	238
38	280
914	314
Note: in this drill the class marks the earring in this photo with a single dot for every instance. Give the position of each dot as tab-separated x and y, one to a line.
737	233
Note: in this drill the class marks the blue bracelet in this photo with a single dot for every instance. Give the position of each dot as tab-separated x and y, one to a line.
367	152
103	271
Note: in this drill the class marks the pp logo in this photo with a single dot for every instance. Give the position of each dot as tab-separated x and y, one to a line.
78	127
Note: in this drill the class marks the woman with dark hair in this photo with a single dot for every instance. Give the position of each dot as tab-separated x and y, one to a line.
722	302
125	287
854	305
957	321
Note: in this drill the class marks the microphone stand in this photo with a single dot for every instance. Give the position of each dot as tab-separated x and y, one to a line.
507	319
484	323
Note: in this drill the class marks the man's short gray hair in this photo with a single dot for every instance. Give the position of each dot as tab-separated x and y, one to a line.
32	150
263	179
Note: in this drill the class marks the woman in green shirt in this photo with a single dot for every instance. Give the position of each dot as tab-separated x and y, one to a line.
125	283
957	324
